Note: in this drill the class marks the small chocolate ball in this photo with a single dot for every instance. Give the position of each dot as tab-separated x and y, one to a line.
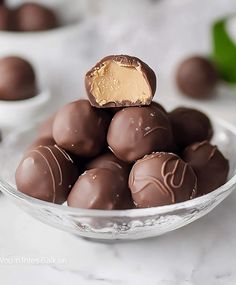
120	80
197	77
17	79
209	165
33	17
98	188
6	18
161	179
45	129
42	141
81	129
137	131
47	173
110	161
189	126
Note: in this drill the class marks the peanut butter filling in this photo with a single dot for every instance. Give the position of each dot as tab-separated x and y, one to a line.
116	82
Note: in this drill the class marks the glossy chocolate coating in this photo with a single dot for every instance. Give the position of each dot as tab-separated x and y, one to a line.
17	79
197	77
32	17
137	131
161	179
81	129
189	126
112	83
98	188
209	164
47	173
42	141
45	129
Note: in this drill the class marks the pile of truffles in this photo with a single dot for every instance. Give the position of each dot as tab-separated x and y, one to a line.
28	17
119	149
17	79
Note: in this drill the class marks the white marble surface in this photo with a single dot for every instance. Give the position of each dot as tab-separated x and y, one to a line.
160	32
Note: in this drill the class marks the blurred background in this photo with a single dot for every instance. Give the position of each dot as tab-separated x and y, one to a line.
160	32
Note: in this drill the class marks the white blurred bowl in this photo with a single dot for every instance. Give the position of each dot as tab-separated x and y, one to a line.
18	113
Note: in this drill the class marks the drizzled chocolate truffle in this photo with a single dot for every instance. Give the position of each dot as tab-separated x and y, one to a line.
99	188
161	179
47	173
209	164
81	129
31	17
137	131
197	77
17	79
120	80
189	126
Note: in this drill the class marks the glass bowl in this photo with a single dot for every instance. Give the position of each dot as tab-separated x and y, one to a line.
120	224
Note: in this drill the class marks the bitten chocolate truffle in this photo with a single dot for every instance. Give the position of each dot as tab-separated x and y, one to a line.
47	173
189	126
137	131
197	77
98	188
209	164
120	80
81	129
31	17
161	179
17	79
45	129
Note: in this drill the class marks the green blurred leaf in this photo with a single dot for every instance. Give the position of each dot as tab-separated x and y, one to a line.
224	52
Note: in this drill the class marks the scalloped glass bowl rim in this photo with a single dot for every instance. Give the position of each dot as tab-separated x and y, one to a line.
10	190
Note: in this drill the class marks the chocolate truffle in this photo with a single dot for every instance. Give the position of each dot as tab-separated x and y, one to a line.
98	188
81	129
17	79
45	129
47	173
42	141
209	164
110	161
197	77
6	18
137	131
31	17
189	126
120	80
161	179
